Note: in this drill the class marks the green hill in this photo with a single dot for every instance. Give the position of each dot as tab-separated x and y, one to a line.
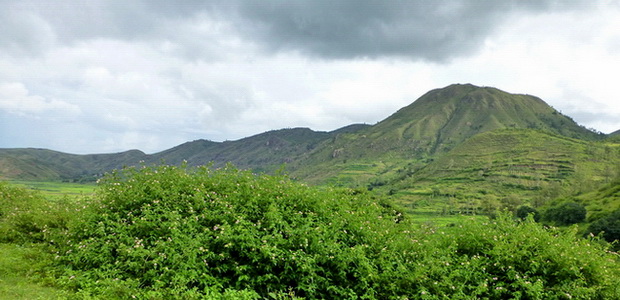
264	152
43	164
443	118
385	154
434	124
503	169
614	137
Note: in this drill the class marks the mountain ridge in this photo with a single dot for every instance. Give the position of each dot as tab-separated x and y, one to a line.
284	145
433	124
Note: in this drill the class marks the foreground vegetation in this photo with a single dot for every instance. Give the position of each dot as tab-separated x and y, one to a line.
177	232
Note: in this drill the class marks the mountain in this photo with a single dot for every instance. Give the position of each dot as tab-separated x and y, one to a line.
264	152
614	136
410	139
434	124
444	118
43	164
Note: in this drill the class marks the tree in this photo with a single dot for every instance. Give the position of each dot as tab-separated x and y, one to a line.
524	210
566	213
608	227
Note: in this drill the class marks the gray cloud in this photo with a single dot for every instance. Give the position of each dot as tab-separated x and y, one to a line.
101	75
419	30
425	30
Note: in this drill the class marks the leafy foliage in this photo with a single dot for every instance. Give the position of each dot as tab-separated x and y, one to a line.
26	216
169	228
524	210
517	260
566	213
170	232
609	226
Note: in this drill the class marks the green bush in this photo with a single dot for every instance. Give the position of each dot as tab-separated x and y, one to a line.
566	213
609	226
173	232
524	210
505	259
26	216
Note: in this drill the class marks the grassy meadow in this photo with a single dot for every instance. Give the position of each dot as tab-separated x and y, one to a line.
57	189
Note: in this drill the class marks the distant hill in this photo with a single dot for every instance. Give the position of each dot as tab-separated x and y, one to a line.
43	164
444	118
416	135
614	137
263	152
434	124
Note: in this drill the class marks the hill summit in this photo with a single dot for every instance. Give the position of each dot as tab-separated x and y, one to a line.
444	118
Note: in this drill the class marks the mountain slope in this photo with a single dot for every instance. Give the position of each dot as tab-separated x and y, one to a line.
43	164
443	118
262	152
530	165
614	137
434	124
437	122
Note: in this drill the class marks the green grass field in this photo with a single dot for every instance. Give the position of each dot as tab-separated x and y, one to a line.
18	280
56	189
21	265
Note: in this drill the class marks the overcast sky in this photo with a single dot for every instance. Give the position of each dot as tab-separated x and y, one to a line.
97	76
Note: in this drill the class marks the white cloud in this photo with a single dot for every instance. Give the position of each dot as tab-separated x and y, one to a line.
15	98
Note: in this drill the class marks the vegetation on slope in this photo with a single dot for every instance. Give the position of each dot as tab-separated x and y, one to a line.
265	152
503	169
430	127
48	165
262	152
435	123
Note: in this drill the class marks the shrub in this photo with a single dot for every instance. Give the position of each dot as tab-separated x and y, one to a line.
179	231
173	232
26	216
609	226
524	210
505	259
566	213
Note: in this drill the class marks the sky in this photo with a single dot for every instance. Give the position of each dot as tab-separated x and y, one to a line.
97	76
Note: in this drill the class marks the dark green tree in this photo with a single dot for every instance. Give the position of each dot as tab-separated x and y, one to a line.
566	213
524	210
608	227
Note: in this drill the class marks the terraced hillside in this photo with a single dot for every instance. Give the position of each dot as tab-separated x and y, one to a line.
504	169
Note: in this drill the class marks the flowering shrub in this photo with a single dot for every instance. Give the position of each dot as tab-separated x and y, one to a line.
26	216
174	232
505	258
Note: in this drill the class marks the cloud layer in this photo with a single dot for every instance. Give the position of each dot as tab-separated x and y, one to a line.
101	76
